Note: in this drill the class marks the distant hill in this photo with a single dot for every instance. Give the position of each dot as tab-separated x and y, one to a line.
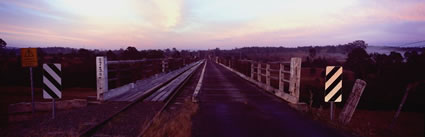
56	50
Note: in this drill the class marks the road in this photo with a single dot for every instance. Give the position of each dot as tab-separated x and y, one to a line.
232	107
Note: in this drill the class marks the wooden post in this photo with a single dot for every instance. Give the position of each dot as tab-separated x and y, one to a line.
281	77
101	76
268	77
252	70
400	107
259	72
294	87
351	104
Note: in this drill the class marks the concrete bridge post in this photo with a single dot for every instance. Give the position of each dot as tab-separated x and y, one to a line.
281	77
252	70
294	87
259	72
268	87
164	65
101	76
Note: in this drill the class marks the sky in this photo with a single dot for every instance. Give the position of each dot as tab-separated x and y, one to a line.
208	24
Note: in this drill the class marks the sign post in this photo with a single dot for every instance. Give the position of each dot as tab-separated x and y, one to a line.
29	59
333	86
52	84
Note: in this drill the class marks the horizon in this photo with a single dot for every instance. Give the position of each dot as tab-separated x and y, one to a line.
196	25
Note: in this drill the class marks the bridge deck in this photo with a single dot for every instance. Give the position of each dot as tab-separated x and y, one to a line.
231	106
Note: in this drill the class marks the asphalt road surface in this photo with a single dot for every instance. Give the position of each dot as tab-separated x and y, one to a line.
232	107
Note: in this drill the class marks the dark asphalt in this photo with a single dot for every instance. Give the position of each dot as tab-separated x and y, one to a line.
233	107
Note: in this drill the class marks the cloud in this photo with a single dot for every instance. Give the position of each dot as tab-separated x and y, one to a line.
207	24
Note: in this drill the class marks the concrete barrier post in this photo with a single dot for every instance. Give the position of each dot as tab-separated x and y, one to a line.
101	76
294	87
268	77
281	77
259	72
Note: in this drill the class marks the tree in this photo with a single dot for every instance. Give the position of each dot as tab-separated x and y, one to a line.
312	52
175	53
359	61
396	57
84	53
131	53
2	43
353	45
154	54
111	55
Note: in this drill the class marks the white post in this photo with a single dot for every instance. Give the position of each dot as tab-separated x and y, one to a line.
294	85
101	76
281	77
164	65
259	72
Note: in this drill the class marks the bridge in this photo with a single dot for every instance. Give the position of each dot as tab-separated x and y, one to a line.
235	98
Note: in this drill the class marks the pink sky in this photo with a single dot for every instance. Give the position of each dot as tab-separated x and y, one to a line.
201	24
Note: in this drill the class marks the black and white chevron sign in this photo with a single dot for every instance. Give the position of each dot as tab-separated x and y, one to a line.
333	84
52	81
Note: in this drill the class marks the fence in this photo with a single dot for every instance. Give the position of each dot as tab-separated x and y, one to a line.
281	78
121	73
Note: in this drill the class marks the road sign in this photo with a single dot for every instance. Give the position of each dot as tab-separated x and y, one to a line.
52	81
29	57
333	84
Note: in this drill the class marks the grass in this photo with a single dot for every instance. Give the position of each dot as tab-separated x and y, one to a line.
375	123
177	123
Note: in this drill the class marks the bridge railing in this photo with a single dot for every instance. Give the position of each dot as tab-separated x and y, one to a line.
113	74
280	78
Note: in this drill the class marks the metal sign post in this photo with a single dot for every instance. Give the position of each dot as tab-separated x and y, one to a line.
32	92
54	108
29	59
332	110
333	86
52	84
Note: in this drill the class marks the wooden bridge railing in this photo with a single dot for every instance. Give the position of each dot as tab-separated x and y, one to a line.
282	78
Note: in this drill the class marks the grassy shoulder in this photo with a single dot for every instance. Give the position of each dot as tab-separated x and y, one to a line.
374	123
176	123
